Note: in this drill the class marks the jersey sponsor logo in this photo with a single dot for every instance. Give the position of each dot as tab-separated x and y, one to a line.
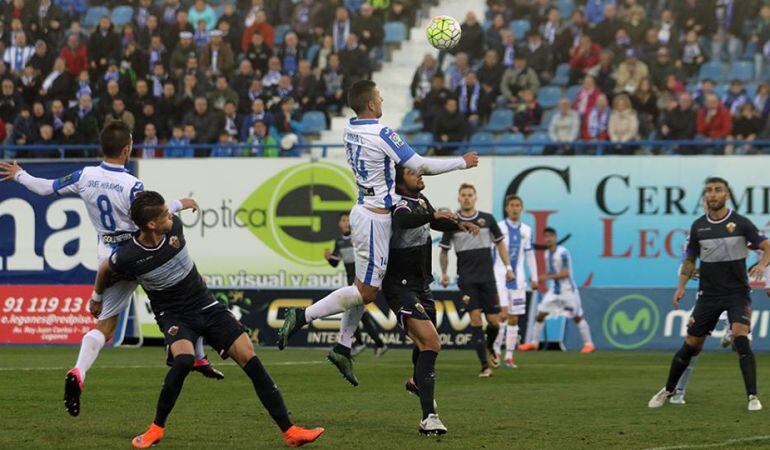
301	205
174	241
730	227
394	138
631	321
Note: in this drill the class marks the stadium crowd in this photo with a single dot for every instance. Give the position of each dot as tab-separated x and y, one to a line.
602	70
183	73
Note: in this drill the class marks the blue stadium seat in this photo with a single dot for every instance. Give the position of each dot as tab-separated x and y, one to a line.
510	144
122	15
500	120
482	137
561	77
280	33
519	28
93	15
538	136
713	70
313	122
547	115
219	10
411	123
741	70
751	89
549	96
572	92
721	89
566	7
420	142
395	33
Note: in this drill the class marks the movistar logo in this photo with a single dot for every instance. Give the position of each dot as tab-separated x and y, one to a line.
302	205
631	321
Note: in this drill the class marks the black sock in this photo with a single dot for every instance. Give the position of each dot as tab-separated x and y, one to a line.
357	337
492	331
678	365
371	329
426	374
747	362
268	392
415	355
479	345
341	349
301	321
172	387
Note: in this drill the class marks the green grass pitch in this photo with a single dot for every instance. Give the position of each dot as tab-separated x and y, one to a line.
553	401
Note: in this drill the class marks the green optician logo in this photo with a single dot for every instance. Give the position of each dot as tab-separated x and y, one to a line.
631	321
302	206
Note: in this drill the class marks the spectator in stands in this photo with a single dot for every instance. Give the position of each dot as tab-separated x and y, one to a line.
730	18
10	101
354	62
290	53
455	74
18	54
103	46
201	35
56	117
746	126
679	122
527	112
145	115
232	121
43	58
70	137
636	24
762	101
594	10
259	53
493	36
539	57
25	130
321	58
179	144
491	73
692	54
735	97
260	27
563	129
507	48
423	76
584	57
668	30
585	100
29	84
705	88
181	53
662	67
266	144
150	147
333	83
72	9
472	39
307	88
400	12
273	74
434	102
286	121
760	39
222	94
85	119
713	121
45	138
201	11
206	122
258	114
623	125
644	101
120	113
449	125
300	19
156	54
630	73
369	29
620	44
473	101
518	77
341	29
598	121
217	58
604	32
605	73
557	34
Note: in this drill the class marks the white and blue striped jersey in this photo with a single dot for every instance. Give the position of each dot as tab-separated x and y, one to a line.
373	150
556	261
107	191
518	239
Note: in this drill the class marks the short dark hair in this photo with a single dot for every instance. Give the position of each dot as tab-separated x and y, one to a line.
399	175
711	180
511	197
115	136
147	206
466	186
360	94
344	214
550	230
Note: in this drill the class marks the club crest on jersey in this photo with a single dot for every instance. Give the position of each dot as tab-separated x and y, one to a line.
422	203
466	299
481	222
114	258
402	203
730	227
173	330
174	241
419	307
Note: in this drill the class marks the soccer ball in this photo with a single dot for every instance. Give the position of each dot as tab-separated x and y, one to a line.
443	32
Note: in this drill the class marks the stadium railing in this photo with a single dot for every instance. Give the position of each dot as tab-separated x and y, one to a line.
529	148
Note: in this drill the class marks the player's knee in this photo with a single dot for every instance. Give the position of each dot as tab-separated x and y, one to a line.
687	352
742	346
184	362
107	327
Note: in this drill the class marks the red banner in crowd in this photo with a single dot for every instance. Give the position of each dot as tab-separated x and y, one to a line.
38	314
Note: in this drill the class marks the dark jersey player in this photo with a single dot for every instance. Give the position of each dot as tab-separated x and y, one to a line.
720	239
476	274
158	258
344	252
407	285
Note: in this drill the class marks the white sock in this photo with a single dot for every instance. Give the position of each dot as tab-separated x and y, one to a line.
537	332
199	354
498	345
92	344
338	301
349	324
510	340
585	332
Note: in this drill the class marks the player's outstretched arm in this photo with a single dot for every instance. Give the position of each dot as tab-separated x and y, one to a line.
174	206
13	171
433	166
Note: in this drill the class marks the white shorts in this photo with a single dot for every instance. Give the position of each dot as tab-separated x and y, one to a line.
502	288
370	233
567	304
117	297
517	302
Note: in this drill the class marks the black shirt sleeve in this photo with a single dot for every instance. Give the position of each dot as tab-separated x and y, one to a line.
693	245
497	234
118	262
439	224
404	217
446	240
751	233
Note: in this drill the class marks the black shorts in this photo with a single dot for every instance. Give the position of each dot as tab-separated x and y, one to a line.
410	302
481	296
215	323
707	310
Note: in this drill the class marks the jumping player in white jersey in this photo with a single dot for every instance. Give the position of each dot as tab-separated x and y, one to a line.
373	151
562	296
107	190
517	238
